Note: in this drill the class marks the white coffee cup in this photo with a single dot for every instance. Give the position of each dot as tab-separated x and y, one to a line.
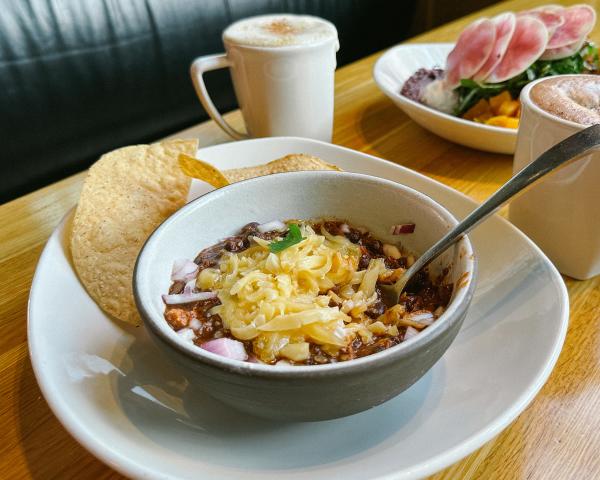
561	213
282	67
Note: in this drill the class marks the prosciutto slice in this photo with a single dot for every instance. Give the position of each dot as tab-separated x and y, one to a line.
579	21
505	27
563	52
471	51
527	44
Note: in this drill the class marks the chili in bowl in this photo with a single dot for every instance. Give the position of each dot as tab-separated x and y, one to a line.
300	293
271	301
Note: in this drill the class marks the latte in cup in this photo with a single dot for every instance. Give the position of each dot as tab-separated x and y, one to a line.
282	67
280	31
573	98
560	212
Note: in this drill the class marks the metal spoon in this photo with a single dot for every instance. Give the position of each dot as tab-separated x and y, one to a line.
561	153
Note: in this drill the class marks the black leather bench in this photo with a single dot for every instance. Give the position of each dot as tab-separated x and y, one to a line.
81	77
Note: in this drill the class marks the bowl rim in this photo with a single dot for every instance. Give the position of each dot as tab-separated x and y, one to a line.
162	331
377	72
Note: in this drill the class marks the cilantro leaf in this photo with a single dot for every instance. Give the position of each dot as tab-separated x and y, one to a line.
292	238
469	83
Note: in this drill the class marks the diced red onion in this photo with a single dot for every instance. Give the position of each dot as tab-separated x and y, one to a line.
226	347
179	298
190	286
424	318
410	332
402	228
275	225
183	270
344	228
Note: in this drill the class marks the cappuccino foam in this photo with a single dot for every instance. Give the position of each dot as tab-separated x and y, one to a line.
574	98
279	31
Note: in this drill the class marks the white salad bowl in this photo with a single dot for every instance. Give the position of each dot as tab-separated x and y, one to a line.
396	65
315	392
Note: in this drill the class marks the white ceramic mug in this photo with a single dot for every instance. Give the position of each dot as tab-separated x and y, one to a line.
283	90
561	213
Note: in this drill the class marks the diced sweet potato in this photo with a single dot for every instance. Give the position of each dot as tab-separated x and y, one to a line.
509	108
503	121
480	108
483	117
500	111
498	100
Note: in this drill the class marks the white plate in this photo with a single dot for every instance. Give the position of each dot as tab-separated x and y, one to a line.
400	62
114	393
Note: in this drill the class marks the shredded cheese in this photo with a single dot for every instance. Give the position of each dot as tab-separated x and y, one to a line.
283	301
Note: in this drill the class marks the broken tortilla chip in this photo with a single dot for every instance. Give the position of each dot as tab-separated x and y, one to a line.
196	168
125	196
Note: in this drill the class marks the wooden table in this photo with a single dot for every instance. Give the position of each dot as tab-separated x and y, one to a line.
557	437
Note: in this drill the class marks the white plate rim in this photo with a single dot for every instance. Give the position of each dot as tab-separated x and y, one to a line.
125	466
407	101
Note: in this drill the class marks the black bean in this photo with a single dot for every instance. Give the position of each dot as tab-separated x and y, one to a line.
236	244
209	257
372	244
363	263
354	235
375	310
418	281
250	228
394	263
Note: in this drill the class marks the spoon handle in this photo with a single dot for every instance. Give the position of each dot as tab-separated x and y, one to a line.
561	153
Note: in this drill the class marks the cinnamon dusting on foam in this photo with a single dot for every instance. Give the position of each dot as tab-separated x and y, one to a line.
280	27
576	98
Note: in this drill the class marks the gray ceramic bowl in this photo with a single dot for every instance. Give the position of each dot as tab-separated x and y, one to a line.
304	392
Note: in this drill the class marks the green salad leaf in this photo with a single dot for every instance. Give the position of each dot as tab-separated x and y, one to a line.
584	61
292	238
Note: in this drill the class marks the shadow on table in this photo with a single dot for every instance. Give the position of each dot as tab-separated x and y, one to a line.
49	450
393	136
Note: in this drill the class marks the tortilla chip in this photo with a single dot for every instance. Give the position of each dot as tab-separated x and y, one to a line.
196	168
295	162
125	196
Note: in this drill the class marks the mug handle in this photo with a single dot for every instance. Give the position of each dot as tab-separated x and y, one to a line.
197	69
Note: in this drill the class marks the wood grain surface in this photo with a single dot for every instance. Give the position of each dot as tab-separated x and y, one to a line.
557	437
